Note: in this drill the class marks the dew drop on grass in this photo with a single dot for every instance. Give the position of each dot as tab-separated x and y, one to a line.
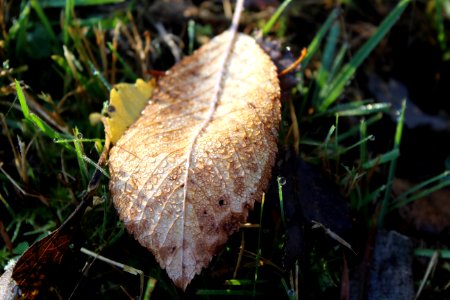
79	136
281	180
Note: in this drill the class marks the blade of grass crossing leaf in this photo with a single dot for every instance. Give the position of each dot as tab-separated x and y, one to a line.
314	45
275	17
392	167
347	72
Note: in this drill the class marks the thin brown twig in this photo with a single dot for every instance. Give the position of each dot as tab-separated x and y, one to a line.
294	64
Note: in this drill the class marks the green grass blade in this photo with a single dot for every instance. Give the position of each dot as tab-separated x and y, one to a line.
358	108
275	17
363	150
371	197
439	20
22	100
127	70
443	253
44	20
62	3
423	184
289	291
228	292
338	60
392	167
337	86
323	75
80	157
314	45
68	15
416	193
258	254
382	159
191	36
281	181
354	130
99	75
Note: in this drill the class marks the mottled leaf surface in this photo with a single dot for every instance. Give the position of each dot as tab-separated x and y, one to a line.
186	173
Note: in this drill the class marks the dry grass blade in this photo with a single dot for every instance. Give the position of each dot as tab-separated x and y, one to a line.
184	176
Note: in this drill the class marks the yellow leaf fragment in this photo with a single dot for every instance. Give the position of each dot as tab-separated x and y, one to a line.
187	172
125	105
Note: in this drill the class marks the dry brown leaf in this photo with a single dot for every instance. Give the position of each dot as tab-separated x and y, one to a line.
186	173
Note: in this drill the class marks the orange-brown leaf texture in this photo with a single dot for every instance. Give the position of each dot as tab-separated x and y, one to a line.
187	172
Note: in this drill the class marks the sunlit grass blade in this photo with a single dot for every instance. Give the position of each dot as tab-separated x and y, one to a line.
34	119
336	88
323	75
358	108
275	17
314	45
392	167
